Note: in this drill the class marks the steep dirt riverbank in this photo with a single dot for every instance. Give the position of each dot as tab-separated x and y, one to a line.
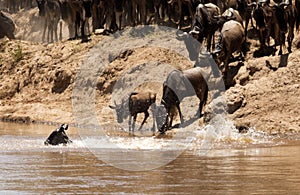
37	83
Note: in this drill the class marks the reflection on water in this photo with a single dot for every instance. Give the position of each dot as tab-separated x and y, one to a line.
27	166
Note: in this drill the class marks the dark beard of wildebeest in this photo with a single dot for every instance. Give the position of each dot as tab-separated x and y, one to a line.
204	23
138	102
179	85
7	27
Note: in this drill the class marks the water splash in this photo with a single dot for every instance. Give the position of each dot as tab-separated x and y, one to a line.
222	133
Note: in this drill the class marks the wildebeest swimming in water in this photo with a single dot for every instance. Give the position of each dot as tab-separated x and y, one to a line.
58	136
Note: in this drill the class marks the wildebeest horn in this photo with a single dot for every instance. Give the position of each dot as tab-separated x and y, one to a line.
181	36
252	4
283	3
171	2
262	1
217	17
112	107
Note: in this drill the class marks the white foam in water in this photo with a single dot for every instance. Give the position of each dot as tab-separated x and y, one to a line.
138	143
220	132
26	143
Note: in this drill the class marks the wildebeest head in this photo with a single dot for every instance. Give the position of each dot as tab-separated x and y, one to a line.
121	110
191	43
259	16
41	6
280	16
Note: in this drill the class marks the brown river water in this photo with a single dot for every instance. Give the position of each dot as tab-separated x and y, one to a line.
250	164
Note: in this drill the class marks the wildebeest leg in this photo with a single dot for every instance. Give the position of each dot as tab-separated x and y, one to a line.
60	29
134	120
290	38
168	123
246	25
55	23
153	108
209	38
145	118
129	123
282	42
181	17
262	38
119	18
83	36
50	31
44	31
179	111
77	24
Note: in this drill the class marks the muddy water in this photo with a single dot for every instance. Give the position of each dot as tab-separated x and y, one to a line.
27	166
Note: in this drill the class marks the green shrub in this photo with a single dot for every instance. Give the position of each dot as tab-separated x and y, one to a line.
17	54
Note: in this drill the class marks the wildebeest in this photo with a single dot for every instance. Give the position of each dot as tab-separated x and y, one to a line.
75	13
180	4
229	14
245	9
7	26
286	15
265	21
205	24
50	10
58	136
15	5
232	39
138	102
181	84
275	21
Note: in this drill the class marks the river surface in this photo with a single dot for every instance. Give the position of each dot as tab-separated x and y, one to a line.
255	165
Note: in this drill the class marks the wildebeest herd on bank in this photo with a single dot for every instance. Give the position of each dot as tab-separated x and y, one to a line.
274	22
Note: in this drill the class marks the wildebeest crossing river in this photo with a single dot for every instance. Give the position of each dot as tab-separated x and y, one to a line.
247	164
